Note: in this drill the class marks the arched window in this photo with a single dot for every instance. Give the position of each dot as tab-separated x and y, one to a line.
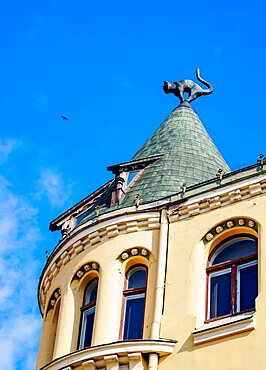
233	277
134	302
55	324
87	314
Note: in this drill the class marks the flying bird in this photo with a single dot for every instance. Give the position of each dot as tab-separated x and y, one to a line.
64	118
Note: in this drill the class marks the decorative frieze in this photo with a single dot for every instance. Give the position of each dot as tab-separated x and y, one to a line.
236	222
112	231
95	237
219	229
56	294
235	195
55	272
224	198
255	189
90	266
153	223
88	365
132	226
193	209
230	224
124	256
209	237
214	202
111	362
133	252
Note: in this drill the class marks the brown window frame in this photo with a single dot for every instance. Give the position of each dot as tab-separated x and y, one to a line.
131	292
232	265
86	307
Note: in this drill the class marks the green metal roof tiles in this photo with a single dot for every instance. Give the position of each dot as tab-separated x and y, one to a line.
188	156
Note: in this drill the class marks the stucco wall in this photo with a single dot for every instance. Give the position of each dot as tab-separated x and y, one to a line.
109	299
185	293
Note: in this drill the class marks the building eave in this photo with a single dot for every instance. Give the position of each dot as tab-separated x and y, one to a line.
102	353
77	208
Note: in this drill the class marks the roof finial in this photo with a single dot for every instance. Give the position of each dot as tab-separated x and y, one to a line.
194	91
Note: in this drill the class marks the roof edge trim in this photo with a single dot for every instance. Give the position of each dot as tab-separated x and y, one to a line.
56	223
137	164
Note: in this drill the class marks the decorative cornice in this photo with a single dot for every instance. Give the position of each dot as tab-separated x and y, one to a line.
93	235
216	199
120	353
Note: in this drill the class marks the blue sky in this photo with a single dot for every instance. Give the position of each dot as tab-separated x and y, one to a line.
102	64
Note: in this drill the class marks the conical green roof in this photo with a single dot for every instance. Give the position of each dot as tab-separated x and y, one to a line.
188	156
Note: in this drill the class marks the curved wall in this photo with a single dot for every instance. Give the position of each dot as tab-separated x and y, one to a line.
109	259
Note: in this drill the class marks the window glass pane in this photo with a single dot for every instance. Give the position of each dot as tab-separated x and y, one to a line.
134	317
236	248
248	286
87	327
91	292
137	278
131	176
83	215
220	294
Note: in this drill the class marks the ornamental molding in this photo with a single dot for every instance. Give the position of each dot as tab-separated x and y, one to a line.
134	252
87	267
90	236
55	296
239	222
223	197
121	355
223	328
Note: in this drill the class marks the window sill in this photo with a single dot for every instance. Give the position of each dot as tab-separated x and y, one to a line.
225	327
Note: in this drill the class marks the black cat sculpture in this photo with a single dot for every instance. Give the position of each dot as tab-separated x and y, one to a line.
188	86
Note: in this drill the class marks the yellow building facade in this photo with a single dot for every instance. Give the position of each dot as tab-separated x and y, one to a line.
163	266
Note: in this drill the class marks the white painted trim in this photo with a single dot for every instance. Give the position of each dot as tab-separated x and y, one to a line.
224	327
124	349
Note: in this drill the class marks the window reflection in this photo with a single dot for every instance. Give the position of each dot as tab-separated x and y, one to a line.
88	313
134	302
233	277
